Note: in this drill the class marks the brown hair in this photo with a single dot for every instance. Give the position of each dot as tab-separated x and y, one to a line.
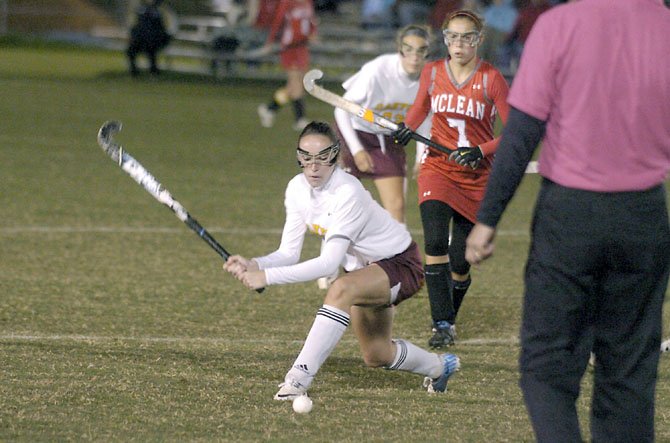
467	14
421	31
321	128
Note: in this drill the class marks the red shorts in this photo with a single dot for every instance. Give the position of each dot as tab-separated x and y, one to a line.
460	188
405	273
392	163
294	57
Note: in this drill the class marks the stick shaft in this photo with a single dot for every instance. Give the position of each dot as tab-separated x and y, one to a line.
203	234
145	179
364	113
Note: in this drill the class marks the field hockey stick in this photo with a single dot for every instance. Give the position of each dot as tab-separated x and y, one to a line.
138	173
309	82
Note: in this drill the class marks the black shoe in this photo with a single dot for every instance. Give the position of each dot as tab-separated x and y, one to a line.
442	337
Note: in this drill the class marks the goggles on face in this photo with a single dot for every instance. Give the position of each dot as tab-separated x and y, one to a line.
407	50
469	38
325	157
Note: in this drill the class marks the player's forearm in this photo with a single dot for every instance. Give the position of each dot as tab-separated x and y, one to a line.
278	258
348	132
325	264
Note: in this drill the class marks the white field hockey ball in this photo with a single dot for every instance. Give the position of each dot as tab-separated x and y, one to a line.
302	404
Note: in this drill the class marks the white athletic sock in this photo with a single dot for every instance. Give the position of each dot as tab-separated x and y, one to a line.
411	358
327	330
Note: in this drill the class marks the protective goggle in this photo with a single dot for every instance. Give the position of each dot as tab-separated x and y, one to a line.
325	157
468	38
407	50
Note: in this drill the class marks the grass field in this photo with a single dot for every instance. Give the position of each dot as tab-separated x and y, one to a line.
118	324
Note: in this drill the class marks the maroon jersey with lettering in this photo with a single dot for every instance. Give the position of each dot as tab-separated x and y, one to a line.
463	115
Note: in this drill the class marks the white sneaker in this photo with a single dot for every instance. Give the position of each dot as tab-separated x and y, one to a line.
289	390
300	124
266	115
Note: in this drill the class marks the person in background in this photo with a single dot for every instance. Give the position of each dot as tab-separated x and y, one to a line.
598	263
258	22
387	85
148	36
382	261
528	14
412	11
377	14
464	95
499	19
441	10
294	24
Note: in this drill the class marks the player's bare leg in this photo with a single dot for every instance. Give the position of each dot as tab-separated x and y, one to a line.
368	286
363	297
392	196
372	326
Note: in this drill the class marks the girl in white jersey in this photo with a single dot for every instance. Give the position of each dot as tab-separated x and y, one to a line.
383	267
387	85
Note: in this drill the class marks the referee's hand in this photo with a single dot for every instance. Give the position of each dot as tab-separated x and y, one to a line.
479	245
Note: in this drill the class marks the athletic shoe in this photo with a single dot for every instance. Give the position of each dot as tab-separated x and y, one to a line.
665	346
266	115
451	364
442	337
300	124
289	390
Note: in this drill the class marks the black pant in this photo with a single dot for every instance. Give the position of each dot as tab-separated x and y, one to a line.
596	277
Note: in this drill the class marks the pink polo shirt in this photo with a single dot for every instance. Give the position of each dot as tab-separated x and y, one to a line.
604	95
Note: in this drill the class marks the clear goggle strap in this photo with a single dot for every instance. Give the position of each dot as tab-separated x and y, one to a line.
325	157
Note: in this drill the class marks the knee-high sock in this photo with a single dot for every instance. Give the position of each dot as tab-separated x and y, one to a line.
274	105
438	281
327	329
412	358
460	288
298	108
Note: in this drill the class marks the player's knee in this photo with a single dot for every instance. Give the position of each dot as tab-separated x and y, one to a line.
435	244
460	267
340	292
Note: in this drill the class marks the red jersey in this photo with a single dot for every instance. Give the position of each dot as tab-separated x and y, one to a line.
296	21
266	14
463	115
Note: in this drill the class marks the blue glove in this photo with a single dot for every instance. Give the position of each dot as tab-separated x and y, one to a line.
467	156
402	135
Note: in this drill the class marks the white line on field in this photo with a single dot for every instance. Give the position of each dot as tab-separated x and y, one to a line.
206	340
177	230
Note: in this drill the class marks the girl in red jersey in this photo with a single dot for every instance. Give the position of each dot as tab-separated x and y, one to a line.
294	24
465	94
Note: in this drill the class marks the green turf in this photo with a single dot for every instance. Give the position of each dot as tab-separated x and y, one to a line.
117	323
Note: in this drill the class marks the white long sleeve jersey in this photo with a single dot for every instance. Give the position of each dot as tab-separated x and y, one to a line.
356	230
383	86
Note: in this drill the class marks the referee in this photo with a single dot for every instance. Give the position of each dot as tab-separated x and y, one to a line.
594	86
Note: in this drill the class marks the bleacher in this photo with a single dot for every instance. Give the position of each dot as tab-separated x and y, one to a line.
340	49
